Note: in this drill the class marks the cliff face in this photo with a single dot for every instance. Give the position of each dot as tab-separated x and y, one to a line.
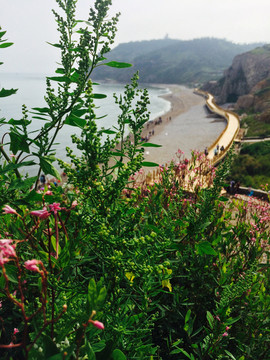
247	71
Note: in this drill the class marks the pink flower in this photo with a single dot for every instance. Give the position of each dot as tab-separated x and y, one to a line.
98	324
48	192
74	204
32	265
15	331
7	250
227	328
225	334
55	207
8	210
42	214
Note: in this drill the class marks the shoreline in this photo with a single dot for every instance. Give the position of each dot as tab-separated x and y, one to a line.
182	99
178	105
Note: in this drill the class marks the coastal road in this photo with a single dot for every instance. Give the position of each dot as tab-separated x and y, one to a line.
227	137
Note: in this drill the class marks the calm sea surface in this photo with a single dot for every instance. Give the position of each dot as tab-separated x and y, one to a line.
32	90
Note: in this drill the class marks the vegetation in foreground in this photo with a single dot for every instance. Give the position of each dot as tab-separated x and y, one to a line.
108	267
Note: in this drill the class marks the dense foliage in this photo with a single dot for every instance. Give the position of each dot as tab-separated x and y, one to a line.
256	127
252	166
108	265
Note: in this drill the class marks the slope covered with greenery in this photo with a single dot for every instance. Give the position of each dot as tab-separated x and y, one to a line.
173	61
252	166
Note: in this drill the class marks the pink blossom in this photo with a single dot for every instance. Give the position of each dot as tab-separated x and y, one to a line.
225	334
32	265
42	214
98	324
74	204
15	331
48	192
55	207
8	210
7	250
1	304
227	328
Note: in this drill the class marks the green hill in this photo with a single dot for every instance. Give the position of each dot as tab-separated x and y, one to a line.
173	61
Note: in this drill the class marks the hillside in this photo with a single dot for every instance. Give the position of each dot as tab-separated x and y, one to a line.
245	79
173	61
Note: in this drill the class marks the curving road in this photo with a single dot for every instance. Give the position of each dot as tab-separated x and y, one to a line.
227	137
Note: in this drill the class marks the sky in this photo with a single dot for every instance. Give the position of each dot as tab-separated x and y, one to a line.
30	24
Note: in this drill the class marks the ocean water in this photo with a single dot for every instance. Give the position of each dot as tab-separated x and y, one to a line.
189	131
31	91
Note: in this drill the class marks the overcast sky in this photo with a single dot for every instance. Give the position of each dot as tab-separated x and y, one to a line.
30	23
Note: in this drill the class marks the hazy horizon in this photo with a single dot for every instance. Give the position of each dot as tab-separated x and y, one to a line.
30	24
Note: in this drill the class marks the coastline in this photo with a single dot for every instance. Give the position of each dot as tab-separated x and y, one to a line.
182	99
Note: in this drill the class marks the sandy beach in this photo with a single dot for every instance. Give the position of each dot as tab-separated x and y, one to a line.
169	133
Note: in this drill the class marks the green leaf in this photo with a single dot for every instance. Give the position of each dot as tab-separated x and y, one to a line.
187	316
117	64
5	92
2	33
99	96
39	118
204	247
149	164
99	346
89	351
210	319
20	184
60	71
230	355
74	120
118	355
75	77
150	145
223	198
108	131
18	142
59	79
12	273
33	196
91	296
49	347
5	45
101	297
42	110
48	168
19	122
79	112
55	45
182	351
12	166
116	153
176	351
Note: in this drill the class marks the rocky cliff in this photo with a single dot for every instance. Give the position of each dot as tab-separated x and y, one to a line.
246	78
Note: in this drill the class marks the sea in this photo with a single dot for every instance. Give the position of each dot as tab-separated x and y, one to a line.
32	89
